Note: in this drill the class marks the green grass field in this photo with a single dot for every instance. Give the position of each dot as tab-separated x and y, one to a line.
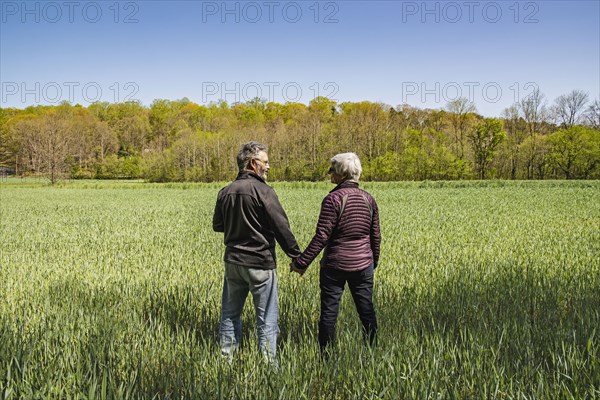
484	290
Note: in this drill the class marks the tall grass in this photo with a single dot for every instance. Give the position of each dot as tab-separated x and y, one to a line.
484	290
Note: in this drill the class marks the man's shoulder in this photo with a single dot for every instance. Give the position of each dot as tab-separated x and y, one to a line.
247	185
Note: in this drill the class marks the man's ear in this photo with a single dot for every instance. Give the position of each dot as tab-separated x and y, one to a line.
252	165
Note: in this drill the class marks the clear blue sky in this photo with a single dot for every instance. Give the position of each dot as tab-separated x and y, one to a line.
415	52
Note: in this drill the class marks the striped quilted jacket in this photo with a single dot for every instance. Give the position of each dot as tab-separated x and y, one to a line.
348	230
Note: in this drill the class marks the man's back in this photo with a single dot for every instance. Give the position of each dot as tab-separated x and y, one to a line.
249	213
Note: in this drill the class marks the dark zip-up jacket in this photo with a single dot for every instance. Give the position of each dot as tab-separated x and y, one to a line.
348	229
249	213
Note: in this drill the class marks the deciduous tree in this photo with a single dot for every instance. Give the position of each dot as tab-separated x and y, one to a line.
485	138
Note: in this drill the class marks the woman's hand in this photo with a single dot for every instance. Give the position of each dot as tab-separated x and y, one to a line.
295	268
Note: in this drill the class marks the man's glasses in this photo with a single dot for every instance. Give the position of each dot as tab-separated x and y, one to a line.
264	162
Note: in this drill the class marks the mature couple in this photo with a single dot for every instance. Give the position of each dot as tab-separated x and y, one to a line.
252	219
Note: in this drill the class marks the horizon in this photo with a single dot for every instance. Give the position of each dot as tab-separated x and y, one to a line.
398	108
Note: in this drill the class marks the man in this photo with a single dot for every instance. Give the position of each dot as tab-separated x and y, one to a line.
249	213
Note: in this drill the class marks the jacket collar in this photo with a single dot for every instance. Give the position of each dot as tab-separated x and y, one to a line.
345	184
245	174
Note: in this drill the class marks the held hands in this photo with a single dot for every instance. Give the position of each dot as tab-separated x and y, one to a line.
295	268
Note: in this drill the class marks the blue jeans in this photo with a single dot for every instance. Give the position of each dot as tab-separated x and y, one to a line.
332	286
262	283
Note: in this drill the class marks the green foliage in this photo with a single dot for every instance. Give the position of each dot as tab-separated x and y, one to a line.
384	168
119	167
199	142
576	152
158	167
485	138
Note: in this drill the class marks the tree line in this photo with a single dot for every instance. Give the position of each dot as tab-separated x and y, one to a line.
183	141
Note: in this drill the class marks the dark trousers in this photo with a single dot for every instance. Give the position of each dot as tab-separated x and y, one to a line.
332	286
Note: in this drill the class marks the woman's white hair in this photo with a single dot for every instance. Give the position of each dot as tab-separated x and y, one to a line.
347	165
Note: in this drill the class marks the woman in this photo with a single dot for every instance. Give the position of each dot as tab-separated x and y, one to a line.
348	230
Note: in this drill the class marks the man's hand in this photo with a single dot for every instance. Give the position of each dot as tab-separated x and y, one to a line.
294	268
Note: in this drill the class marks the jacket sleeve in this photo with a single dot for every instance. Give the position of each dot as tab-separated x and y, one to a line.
280	225
325	226
218	223
375	234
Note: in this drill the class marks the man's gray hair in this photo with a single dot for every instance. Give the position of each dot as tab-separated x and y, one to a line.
247	152
347	165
